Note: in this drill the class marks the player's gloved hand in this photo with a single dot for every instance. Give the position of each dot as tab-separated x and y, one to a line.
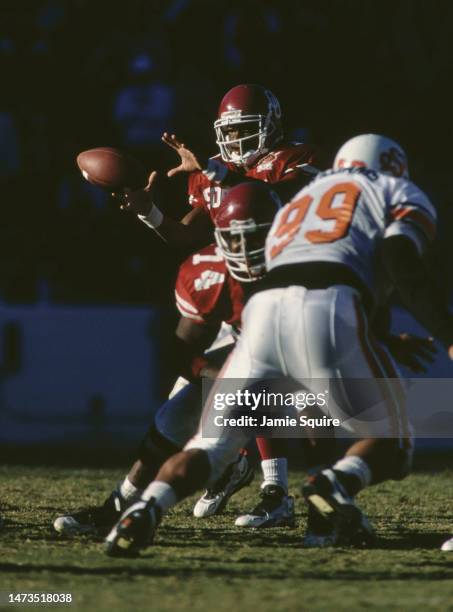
140	201
190	161
412	352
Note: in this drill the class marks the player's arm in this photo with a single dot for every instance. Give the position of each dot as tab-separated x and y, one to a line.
409	350
416	287
194	229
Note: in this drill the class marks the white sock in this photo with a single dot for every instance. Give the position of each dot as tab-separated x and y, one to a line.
355	466
163	493
275	472
128	491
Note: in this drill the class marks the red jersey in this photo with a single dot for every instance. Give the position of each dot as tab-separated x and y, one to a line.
288	161
206	292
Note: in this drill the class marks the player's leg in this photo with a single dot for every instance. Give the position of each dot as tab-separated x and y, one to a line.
203	459
372	407
202	462
240	472
175	422
237	475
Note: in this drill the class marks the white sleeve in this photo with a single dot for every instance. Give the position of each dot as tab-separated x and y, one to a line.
410	214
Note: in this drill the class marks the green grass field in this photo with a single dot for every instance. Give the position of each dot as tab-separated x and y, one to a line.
212	565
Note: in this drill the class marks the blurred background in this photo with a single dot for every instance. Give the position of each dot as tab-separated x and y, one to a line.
85	290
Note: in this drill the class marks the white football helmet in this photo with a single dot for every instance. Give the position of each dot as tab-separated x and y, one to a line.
375	152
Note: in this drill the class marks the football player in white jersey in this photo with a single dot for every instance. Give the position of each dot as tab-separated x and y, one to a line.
325	254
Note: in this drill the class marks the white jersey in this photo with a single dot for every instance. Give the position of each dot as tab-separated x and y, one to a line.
342	217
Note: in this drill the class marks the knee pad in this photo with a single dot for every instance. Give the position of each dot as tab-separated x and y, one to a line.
155	446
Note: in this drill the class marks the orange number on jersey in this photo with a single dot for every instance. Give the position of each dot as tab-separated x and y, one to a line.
290	222
342	215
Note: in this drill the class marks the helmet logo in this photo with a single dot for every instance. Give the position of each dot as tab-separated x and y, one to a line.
393	161
231	115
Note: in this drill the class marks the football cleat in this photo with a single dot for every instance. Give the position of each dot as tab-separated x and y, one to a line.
276	509
327	496
135	530
93	520
448	545
237	475
320	532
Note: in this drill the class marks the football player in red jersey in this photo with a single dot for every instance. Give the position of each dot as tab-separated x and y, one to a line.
241	226
211	289
250	138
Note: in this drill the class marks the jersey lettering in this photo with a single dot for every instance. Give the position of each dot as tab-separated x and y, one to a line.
198	258
212	196
207	279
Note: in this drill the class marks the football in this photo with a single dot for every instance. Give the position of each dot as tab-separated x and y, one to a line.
111	169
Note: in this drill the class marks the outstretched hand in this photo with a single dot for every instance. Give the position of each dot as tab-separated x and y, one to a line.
139	201
190	161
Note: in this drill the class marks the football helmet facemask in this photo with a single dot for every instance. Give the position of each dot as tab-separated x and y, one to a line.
248	124
241	227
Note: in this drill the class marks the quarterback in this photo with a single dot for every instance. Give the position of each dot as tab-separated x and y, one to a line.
250	138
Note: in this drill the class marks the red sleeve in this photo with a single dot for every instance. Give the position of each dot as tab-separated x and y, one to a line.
296	161
199	284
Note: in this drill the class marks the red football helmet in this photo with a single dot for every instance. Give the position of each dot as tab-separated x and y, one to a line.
241	226
248	124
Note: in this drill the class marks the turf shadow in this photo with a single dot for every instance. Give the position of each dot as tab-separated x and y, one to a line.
233	572
411	540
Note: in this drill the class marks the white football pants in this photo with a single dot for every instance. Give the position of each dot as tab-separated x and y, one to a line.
316	338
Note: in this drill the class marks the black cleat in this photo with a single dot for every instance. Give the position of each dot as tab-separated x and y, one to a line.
325	494
134	531
93	520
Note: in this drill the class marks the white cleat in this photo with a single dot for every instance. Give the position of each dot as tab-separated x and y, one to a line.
237	475
448	545
276	509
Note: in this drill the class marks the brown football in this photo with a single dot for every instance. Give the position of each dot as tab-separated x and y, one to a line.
111	169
